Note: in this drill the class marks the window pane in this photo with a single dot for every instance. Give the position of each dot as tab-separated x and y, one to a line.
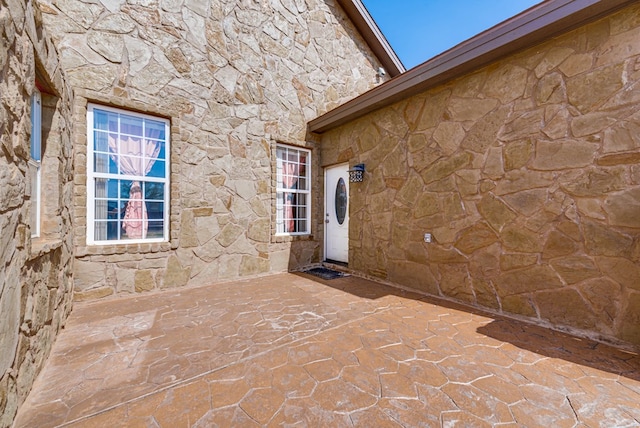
105	121
154	191
105	163
131	125
155	210
157	169
154	129
156	229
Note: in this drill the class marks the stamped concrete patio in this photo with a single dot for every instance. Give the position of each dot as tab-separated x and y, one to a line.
294	350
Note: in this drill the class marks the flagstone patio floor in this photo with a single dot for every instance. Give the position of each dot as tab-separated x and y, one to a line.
295	350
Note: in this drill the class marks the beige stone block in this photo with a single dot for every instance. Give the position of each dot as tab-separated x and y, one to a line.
586	91
593	123
574	269
557	126
465	109
526	202
449	135
88	274
144	281
563	154
413	275
622	270
619	159
125	279
484	132
623	208
446	167
622	137
516	238
506	83
475	237
519	305
518	180
601	240
495	212
251	265
92	294
485	293
260	230
493	166
605	297
455	282
596	182
576	64
440	254
527	280
630	320
433	110
558	244
511	261
553	57
207	228
517	154
525	125
566	307
175	275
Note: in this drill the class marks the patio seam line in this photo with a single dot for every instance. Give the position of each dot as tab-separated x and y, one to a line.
208	372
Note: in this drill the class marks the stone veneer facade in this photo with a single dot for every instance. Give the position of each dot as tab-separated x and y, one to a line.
234	78
35	273
526	172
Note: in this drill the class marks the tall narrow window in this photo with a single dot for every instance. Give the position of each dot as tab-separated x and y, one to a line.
127	177
293	193
35	159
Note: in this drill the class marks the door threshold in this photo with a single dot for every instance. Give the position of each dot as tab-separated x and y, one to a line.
335	262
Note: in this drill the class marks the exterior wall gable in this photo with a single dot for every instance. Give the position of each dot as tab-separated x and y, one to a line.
525	172
234	78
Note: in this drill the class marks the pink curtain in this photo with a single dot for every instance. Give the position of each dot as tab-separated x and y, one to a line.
135	157
289	179
136	222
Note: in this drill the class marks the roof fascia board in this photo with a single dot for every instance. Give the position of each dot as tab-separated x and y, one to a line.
366	25
527	29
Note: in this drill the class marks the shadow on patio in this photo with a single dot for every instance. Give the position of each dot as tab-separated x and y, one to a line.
293	349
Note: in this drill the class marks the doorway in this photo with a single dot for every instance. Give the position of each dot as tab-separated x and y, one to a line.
336	235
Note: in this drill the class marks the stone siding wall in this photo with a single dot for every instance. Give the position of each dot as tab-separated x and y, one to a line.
526	172
234	78
35	273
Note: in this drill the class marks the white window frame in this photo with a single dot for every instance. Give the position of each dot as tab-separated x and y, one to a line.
282	191
35	161
92	175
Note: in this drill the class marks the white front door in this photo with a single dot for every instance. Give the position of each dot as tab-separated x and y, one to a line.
336	191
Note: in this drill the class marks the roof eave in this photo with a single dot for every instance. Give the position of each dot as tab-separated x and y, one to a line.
527	29
365	24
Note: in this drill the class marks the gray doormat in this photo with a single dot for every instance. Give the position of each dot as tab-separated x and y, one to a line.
325	273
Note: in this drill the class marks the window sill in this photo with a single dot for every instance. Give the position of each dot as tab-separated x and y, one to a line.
41	247
114	249
291	238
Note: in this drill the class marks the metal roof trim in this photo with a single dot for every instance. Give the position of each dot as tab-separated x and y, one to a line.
527	29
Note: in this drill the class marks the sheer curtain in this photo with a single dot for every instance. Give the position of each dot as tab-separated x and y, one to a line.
289	179
136	156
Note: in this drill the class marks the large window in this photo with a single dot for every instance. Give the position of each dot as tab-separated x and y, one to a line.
35	159
293	193
127	177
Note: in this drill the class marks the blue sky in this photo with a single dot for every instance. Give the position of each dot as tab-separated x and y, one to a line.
421	29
